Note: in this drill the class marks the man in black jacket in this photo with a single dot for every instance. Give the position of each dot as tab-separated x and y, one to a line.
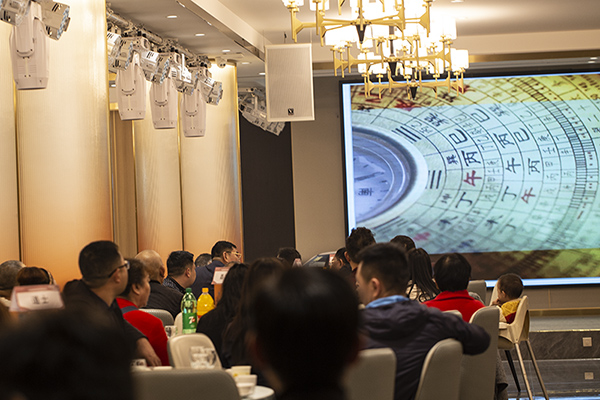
409	328
104	277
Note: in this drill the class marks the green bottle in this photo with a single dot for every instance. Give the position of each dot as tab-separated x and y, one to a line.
188	312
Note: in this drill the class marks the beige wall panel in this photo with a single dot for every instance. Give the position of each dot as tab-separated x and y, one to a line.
158	186
318	174
9	206
63	148
210	169
123	170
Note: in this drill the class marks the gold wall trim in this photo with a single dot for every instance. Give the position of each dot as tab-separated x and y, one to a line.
565	312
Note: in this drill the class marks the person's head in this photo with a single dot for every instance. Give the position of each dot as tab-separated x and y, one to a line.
404	241
33	276
154	264
259	272
288	255
339	259
226	252
304	328
65	355
203	260
510	287
101	264
180	265
359	239
231	292
138	284
452	273
383	271
8	276
419	264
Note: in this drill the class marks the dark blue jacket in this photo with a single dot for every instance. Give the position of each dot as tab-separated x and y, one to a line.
204	278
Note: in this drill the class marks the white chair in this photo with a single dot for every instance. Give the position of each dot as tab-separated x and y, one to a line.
440	376
163	315
373	376
454	312
510	336
478	287
478	372
179	349
184	384
178	324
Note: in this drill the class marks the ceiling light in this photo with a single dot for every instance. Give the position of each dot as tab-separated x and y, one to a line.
200	34
261	73
593	58
171	16
246	63
226	51
182	5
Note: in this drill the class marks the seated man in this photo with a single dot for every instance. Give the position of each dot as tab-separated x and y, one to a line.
452	273
222	253
135	296
161	297
305	333
392	320
182	272
8	279
104	277
510	289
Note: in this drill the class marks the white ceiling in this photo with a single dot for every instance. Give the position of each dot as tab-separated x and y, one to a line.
270	20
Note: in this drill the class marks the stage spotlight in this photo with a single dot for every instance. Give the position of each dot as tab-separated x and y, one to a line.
113	46
251	104
13	11
124	55
163	104
29	50
55	17
131	91
211	89
163	68
192	114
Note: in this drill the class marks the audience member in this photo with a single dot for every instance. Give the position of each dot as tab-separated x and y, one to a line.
202	260
340	264
234	338
405	242
510	289
359	239
420	285
452	273
134	297
181	271
161	297
392	320
214	322
290	257
222	253
104	277
8	279
65	356
34	276
305	333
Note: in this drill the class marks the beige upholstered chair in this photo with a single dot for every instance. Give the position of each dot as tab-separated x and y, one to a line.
511	335
179	349
373	376
163	315
184	384
478	287
440	376
454	312
478	372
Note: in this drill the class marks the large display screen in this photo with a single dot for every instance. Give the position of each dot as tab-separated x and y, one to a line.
505	173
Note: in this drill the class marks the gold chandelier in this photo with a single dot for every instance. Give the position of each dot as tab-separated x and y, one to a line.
397	39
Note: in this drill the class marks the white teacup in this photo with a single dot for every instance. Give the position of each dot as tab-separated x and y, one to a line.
237	370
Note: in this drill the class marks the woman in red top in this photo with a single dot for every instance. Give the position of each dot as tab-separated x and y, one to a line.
135	296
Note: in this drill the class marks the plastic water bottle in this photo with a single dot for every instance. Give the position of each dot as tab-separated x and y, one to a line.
205	303
188	312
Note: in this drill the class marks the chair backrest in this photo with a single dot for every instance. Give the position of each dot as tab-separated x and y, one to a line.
454	312
478	373
179	349
478	287
163	315
373	376
184	384
518	330
440	376
494	295
178	324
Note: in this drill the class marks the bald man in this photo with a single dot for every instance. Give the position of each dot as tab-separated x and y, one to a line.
161	297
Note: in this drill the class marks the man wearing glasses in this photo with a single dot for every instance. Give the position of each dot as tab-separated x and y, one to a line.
103	278
222	253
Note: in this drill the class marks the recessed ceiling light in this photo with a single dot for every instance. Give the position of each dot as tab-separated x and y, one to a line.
457	1
593	58
261	73
182	5
246	63
200	34
171	16
226	51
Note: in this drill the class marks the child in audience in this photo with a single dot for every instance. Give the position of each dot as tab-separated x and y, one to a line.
510	288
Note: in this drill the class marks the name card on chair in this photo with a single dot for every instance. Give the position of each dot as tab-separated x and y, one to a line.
36	297
219	276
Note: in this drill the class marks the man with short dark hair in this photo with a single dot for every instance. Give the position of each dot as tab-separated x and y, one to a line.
304	333
359	239
8	279
161	297
404	241
452	273
104	277
181	271
222	252
392	320
203	260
